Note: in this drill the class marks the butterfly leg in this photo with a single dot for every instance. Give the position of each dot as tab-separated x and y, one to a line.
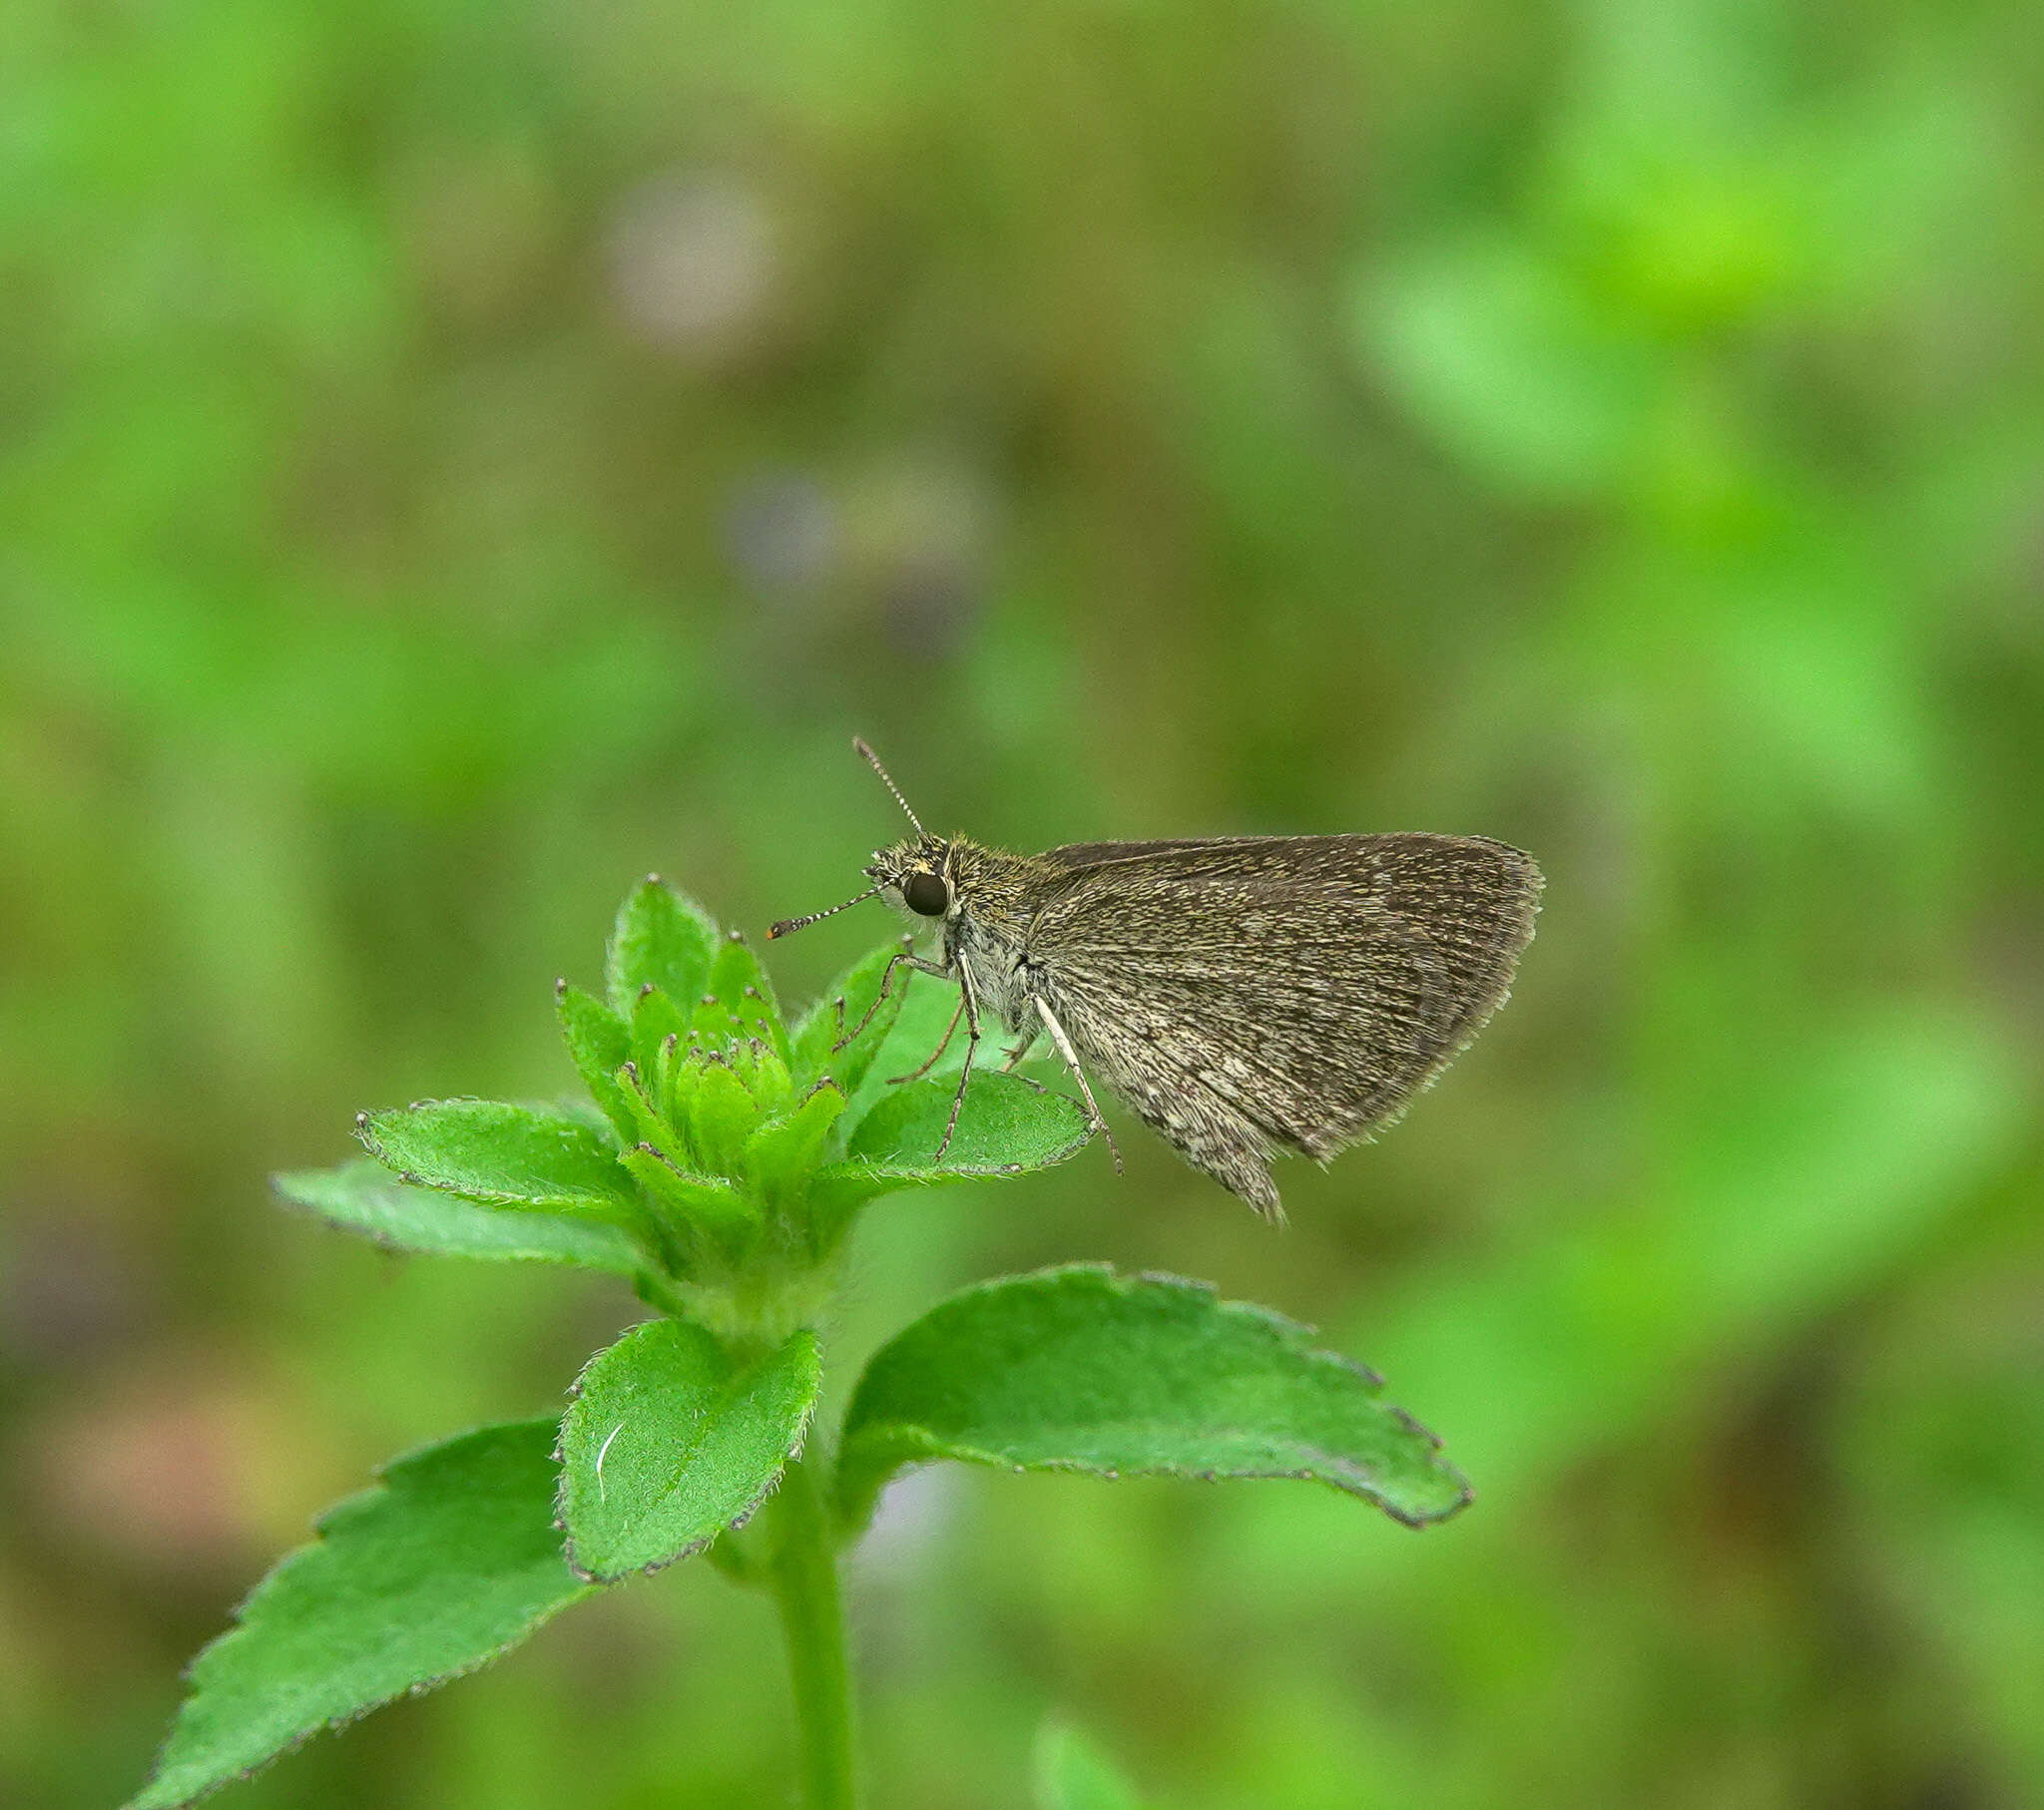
903	957
968	995
944	1043
1064	1044
1016	1052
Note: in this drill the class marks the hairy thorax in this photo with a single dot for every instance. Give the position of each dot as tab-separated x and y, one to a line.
988	929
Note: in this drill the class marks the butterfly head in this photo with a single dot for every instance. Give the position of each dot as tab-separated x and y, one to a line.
915	876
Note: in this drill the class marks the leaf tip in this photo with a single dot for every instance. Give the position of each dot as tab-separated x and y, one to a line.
1419	1520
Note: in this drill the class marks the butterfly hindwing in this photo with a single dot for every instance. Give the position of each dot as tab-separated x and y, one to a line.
1256	991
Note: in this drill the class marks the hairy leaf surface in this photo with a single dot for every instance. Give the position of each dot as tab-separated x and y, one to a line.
365	1198
453	1559
1079	1369
669	1440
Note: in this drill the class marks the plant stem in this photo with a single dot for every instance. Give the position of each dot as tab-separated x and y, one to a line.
812	1615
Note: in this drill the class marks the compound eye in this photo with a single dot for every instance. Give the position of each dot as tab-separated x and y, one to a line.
928	894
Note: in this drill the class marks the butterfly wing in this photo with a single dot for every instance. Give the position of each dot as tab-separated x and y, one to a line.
1093	854
1252	993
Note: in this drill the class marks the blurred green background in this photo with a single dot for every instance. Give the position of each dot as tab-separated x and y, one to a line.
456	458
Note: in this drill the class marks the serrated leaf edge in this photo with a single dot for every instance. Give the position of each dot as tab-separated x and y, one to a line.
690	906
796	1447
586	1587
381	1238
1064	1153
905	1175
921	1441
920	1446
366	1122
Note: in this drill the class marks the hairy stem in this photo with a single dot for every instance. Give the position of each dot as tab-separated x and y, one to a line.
804	1579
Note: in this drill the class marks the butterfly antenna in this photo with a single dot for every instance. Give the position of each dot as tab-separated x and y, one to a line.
787	926
873	761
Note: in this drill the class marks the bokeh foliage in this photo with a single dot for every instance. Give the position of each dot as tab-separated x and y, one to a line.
455	459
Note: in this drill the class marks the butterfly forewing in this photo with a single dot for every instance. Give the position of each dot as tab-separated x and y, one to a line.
1256	991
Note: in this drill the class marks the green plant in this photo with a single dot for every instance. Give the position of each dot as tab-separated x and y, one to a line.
722	1164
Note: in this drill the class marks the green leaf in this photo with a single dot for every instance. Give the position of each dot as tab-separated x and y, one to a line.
650	1126
655	1018
503	1156
663	940
1073	1774
706	1202
929	1006
1005	1127
760	1066
1078	1369
671	1440
363	1198
815	1054
600	1044
779	1157
716	1113
452	1561
741	985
